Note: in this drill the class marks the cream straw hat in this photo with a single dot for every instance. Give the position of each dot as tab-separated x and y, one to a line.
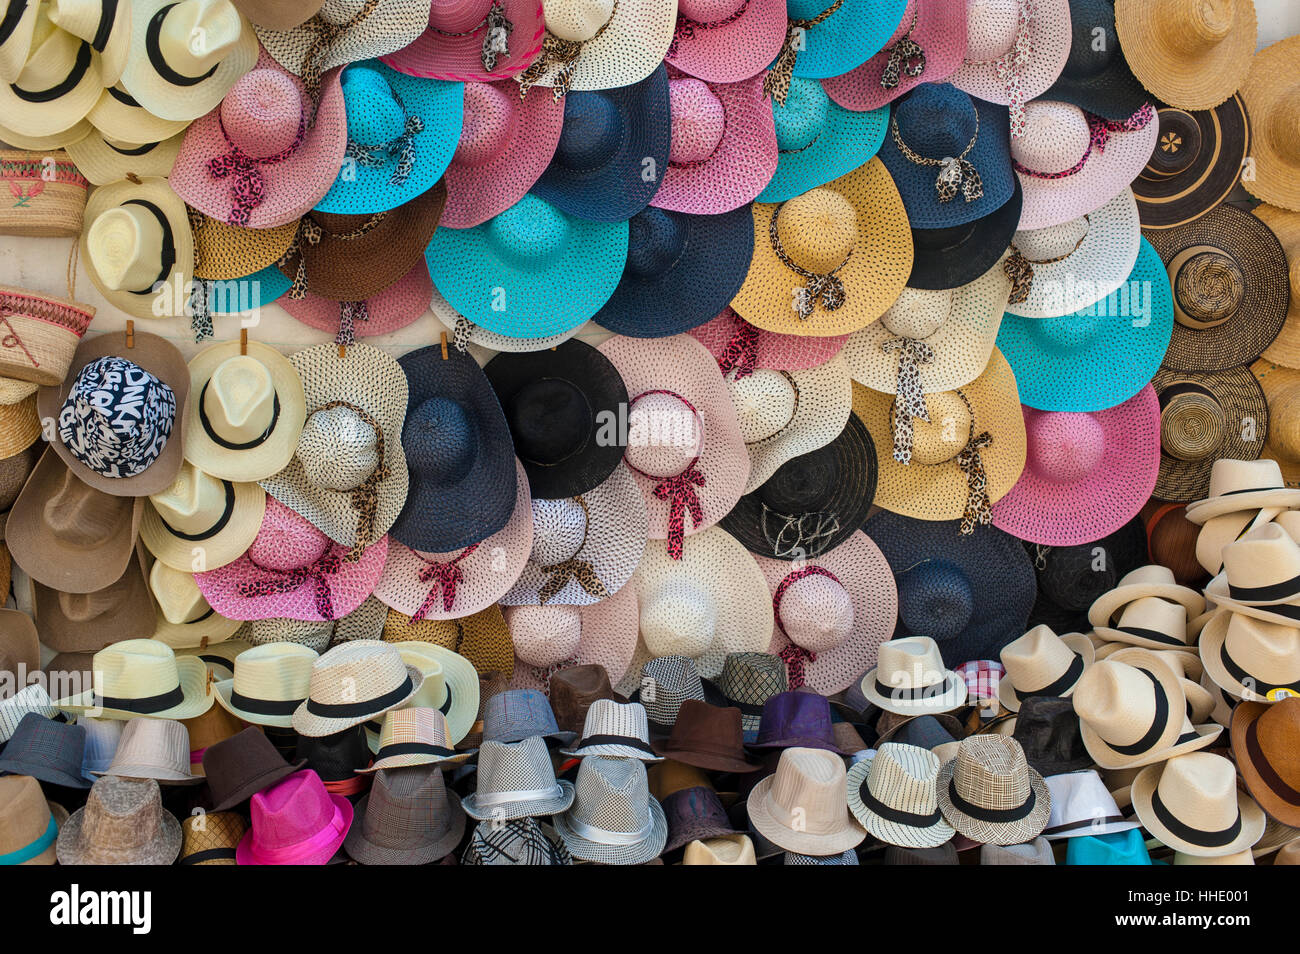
1041	663
269	683
202	522
143	678
185	619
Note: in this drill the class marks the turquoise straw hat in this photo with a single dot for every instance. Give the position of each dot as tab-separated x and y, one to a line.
531	271
402	132
1098	357
254	291
818	140
1119	848
845	39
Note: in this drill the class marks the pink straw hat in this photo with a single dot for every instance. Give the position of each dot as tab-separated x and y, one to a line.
936	27
723	149
294	571
506	144
831	614
295	822
683	442
1071	163
462	582
1087	474
726	41
740	347
550	638
392	309
261	158
474	41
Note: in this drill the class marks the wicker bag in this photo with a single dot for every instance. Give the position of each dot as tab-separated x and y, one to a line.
46	195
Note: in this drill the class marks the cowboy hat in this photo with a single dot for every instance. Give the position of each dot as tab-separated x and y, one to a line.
474	41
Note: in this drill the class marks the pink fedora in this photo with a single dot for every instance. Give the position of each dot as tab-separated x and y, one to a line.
550	638
474	41
392	309
723	149
460	583
262	158
1087	474
506	144
740	347
292	571
726	41
928	47
295	822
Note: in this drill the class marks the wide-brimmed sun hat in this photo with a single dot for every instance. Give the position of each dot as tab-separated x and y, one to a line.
1096	76
829	39
1281	388
1041	664
58	80
802	806
474	41
390	310
548	637
1285	348
1270	92
740	347
1192	804
86	622
725	41
103	160
957	255
143	678
345	31
451	685
989	794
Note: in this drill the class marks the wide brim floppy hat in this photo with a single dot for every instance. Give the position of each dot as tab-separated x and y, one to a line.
1194	56
608	141
1097	357
457	44
727	42
1096	76
1197	162
1202	419
144	668
1078	263
956	256
847	36
682	270
295	142
102	161
1270	94
1285	348
620	42
244	294
724	149
223	252
57	83
166	88
163	210
464	581
848	607
855	227
939	490
959	325
682	383
360	31
1231	289
158	357
1281	388
606	631
266	454
1184	834
484	344
992	33
503	274
768	349
119	116
1086	474
390	310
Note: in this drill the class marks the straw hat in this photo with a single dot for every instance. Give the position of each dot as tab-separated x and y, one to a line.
484	344
1131	712
117	114
1237	485
740	347
45	330
481	638
143	677
720	850
1251	659
451	685
725	41
137	236
911	679
122	823
390	310
153	748
802	807
982	419
185	619
1043	664
58	81
1263	747
848	249
269	683
29	825
295	822
414	736
106	27
1151	622
17	43
604	634
1285	348
277	15
516	780
1281	388
19	647
1096	76
1261	572
1145	581
957	255
989	794
353	31
1192	804
20	426
103	160
200	521
86	622
352	683
474	41
995	31
893	796
211	838
1194	55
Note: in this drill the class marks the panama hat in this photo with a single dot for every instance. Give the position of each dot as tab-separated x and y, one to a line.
825	40
1285	348
802	806
1132	710
911	679
390	310
451	685
58	82
1016	50
599	44
720	850
928	46
20	23
546	637
103	160
1260	572
1192	804
1144	581
608	141
352	683
270	681
1086	474
517	780
1263	748
184	617
118	115
122	823
1243	485
58	140
684	444
725	41
143	678
1096	76
268	131
1282	445
957	255
29	825
1150	622
942	339
1197	162
740	347
344	31
893	796
1044	664
989	794
85	622
840	253
831	613
529	250
137	236
1249	658
201	516
1195	55
1270	92
178	73
414	736
474	41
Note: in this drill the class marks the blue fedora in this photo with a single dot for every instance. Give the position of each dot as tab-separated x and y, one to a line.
855	32
1118	848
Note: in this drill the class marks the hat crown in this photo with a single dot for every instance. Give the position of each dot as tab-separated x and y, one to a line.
357	671
1157	615
1200	789
1056	137
1193	424
274	671
723	850
1208	286
550	420
678	619
135	669
592	133
1077	796
806	113
817	229
576	19
1053	242
1194	26
765	403
807	792
121	814
212	831
699	120
337	448
559	530
40	740
517	714
903	777
263	112
1263	557
816	613
505	767
176	593
1229	476
491	117
458	16
422	724
943	437
1275	732
1036	659
88	607
286	541
433	692
608	717
935	598
239	400
1152	574
667	682
1091	52
991	771
530	231
913	662
78	514
802	484
195	35
155	743
918	313
612	794
291	811
24	813
1118	701
117	417
656	240
1179	143
937	120
1064	447
545	635
1270	651
440	440
375	115
664	434
193	502
990	28
125	246
399	794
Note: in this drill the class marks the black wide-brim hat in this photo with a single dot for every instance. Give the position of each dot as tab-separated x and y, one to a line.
452	406
600	171
1096	77
1071	578
681	271
953	257
836	482
971	593
554	403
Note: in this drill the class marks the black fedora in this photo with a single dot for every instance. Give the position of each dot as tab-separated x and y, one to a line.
335	758
1096	77
956	256
1047	728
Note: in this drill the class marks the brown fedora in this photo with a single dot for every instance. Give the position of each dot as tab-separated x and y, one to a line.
87	622
14	472
206	730
707	737
20	648
69	536
243	765
1266	748
1171	540
574	689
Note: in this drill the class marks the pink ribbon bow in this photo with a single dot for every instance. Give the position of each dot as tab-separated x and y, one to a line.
445	577
289	580
679	491
741	353
248	188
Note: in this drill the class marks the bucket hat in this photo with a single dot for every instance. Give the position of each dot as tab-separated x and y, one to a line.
86	622
1267	93
57	81
1083	808
1048	730
1086	475
841	253
662	684
911	679
1096	76
46	331
1263	749
417	736
707	737
613	818
46	750
516	780
153	748
836	38
239	767
29	825
989	794
348	31
474	41
1192	804
199	511
123	823
352	683
270	681
407	817
211	838
143	678
1043	664
725	41
815	781
957	255
545	637
1251	659
295	822
893	796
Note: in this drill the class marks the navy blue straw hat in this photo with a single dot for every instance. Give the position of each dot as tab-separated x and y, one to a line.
970	593
459	453
956	256
1097	77
681	271
613	150
937	121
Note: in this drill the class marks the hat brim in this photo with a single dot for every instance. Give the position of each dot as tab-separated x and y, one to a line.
629	48
227	544
525	808
845	141
1169	200
196	697
163	776
392	25
883	829
307	723
1143	793
958	255
953	697
729	52
623	854
713	762
437	55
76	846
224	690
1050	40
1245	753
462	682
847	38
1078	644
102	162
1107	607
820	844
210	628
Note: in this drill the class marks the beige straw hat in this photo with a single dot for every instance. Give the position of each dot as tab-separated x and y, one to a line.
1041	663
619	42
202	522
1281	387
1243	485
802	806
153	748
723	850
17	43
451	685
1285	349
225	252
893	795
119	115
911	679
59	81
352	683
482	638
1271	91
415	736
185	619
1131	709
1150	622
990	794
1151	580
1192	804
103	160
1251	659
270	682
143	678
1261	572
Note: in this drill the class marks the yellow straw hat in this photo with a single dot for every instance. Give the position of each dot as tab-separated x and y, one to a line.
1282	391
1285	349
1272	94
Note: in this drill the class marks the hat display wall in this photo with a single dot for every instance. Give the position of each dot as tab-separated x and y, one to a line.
1192	804
143	678
185	619
725	41
1086	474
1269	91
122	823
911	679
201	517
356	30
809	785
476	41
57	82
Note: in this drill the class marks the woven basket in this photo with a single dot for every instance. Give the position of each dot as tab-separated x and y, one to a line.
46	194
38	334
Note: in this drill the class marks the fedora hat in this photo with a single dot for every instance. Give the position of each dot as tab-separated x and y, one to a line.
352	683
1281	387
407	817
1082	807
935	733
270	681
911	679
58	80
335	758
663	684
153	748
801	807
725	41
295	822
1269	90
1151	622
720	850
119	115
1243	486
1042	664
17	43
739	347
352	30
239	767
840	253
201	516
547	637
451	685
1047	728
46	331
50	751
827	40
708	737
1145	581
516	780
522	841
1131	709
211	838
416	736
694	814
613	818
796	719
123	823
894	798
517	714
1263	748
988	792
474	41
1016	50
143	677
1192	805
619	730
86	622
1251	659
1261	573
29	825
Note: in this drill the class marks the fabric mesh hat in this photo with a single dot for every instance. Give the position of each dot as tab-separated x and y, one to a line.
518	714
1086	474
295	822
122	823
1042	664
270	681
47	750
30	699
911	679
57	82
211	838
1096	76
1015	50
1192	804
802	807
989	794
725	41
618	730
893	796
474	41
29	825
217	517
143	678
662	684
694	814
1270	92
415	736
408	817
345	31
354	682
153	748
830	261
613	818
516	780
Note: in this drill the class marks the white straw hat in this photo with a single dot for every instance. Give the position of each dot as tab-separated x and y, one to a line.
104	24
270	682
1150	580
911	679
353	682
103	160
1082	806
1130	712
58	82
1217	532
618	43
1152	622
118	115
202	522
1251	659
1192	804
1041	663
802	806
1261	572
1237	485
185	619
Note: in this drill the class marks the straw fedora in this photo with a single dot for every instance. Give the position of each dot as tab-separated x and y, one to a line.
414	736
211	838
1131	713
840	253
616	729
725	41
185	619
516	780
474	41
1150	622
270	681
1242	486
739	347
354	30
1194	55
201	516
45	331
980	423
1261	575
893	796
123	823
153	748
1043	664
802	807
407	817
58	80
117	114
988	792
16	45
29	825
1144	581
720	850
143	678
1281	387
1263	748
1251	659
911	679
613	818
103	160
295	822
451	685
86	622
546	637
352	683
1192	804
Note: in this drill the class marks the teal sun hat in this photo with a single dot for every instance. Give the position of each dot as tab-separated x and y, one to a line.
1120	848
837	35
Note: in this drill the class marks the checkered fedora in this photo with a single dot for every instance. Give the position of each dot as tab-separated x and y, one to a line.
522	841
617	730
613	819
48	750
210	838
415	736
983	677
407	818
748	680
668	681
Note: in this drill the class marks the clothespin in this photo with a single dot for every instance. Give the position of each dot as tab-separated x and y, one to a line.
443	337
133	178
343	350
207	687
243	341
130	333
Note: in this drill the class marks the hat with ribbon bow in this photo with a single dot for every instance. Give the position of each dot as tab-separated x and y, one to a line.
829	38
474	41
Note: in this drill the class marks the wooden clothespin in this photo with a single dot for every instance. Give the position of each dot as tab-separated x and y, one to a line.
552	347
243	341
443	337
130	333
343	350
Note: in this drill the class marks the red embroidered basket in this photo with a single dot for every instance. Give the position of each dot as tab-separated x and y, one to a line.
38	334
41	194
